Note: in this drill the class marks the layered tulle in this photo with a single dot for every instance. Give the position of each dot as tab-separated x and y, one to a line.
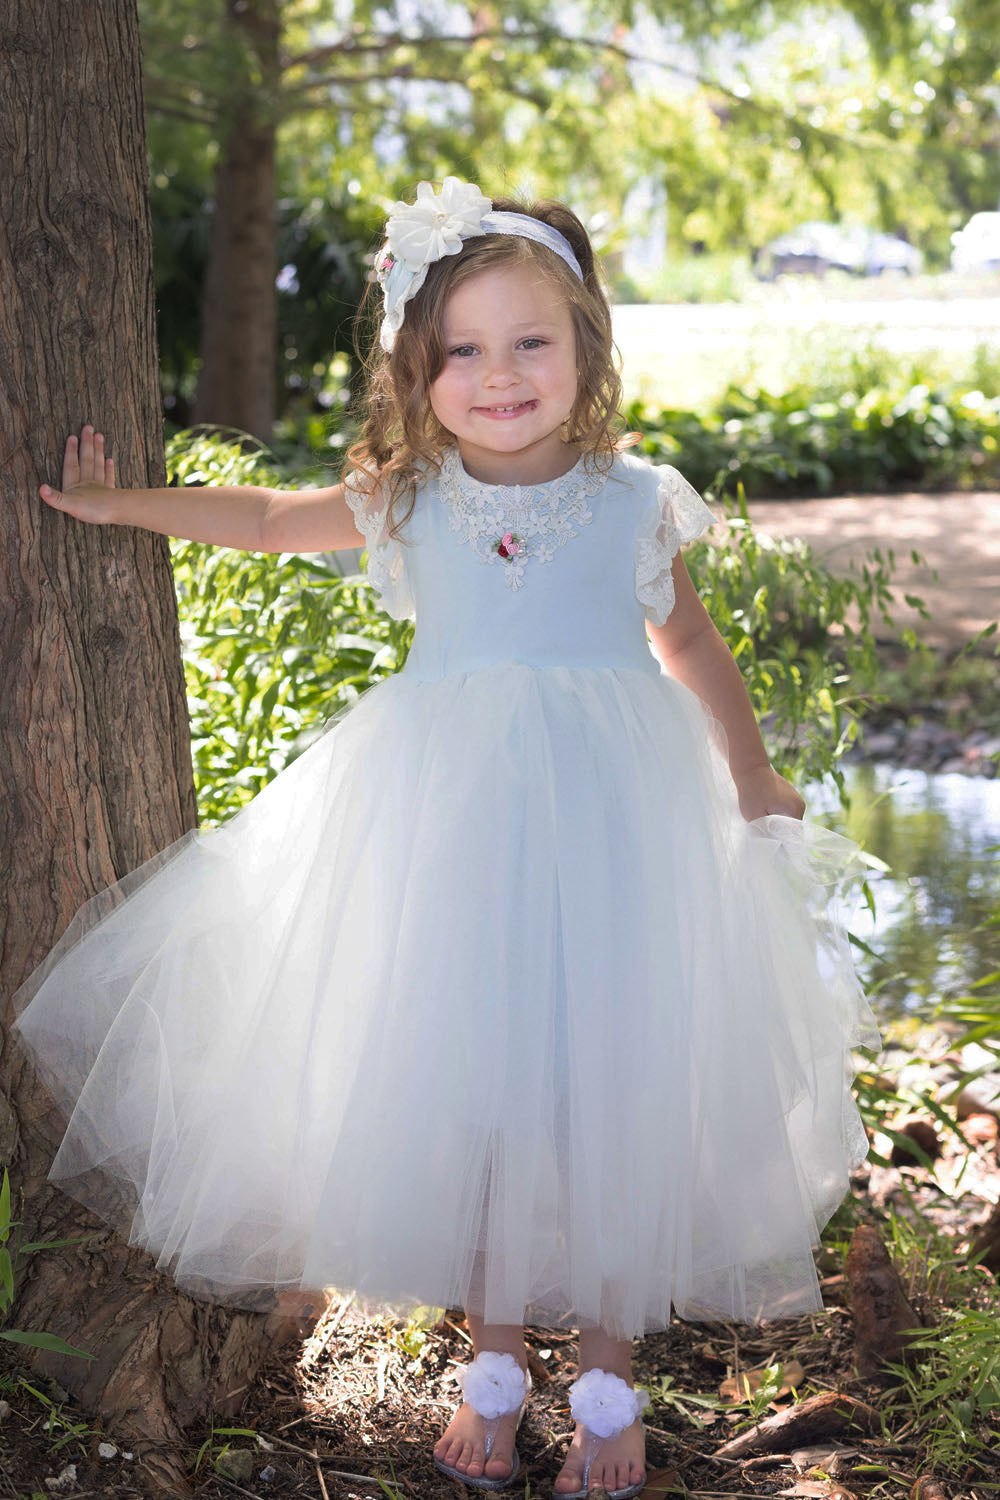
491	999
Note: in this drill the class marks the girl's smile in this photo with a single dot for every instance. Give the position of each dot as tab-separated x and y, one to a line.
504	412
509	380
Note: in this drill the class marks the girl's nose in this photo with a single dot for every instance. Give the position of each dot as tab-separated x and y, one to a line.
501	370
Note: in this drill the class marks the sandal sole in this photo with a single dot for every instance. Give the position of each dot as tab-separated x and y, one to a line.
480	1481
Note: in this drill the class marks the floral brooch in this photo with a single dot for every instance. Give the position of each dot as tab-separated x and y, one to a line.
509	545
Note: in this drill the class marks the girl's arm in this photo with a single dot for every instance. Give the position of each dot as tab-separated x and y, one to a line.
693	651
249	517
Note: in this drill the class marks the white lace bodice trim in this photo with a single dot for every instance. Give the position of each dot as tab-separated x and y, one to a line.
512	525
682	515
386	565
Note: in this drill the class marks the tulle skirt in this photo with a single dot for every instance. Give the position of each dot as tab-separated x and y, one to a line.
490	999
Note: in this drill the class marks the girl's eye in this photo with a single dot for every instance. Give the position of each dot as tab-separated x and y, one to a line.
463	349
534	343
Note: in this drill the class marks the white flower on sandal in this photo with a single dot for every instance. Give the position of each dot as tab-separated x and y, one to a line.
604	1403
493	1384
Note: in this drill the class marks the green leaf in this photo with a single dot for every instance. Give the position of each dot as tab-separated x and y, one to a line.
48	1341
36	1245
6	1278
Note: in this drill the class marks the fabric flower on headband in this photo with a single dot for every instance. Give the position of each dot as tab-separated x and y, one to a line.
419	233
435	226
437	223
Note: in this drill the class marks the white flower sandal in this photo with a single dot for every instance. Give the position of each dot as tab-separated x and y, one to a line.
494	1385
604	1405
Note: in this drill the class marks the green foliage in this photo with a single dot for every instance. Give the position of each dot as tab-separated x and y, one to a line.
273	645
12	1252
870	438
61	1431
663	1393
953	1386
217	1452
957	687
803	638
947	1393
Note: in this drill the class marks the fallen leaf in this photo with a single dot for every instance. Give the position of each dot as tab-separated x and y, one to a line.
822	1456
661	1481
707	1351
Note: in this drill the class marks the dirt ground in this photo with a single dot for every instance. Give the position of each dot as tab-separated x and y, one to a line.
957	535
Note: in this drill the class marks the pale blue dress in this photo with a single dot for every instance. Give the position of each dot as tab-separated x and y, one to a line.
491	998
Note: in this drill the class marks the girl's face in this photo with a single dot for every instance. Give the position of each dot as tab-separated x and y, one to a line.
509	378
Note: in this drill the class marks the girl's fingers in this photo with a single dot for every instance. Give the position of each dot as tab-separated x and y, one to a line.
71	464
86	454
84	461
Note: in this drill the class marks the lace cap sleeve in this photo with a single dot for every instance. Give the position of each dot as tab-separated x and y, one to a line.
679	515
386	563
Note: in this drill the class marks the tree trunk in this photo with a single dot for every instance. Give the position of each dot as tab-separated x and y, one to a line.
237	385
96	761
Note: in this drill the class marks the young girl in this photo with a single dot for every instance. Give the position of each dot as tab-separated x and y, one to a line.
522	988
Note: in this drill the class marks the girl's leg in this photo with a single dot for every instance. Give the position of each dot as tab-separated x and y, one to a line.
621	1460
462	1445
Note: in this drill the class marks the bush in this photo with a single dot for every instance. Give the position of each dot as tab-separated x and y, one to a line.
803	638
273	645
794	443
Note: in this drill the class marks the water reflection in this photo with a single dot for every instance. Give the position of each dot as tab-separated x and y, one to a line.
935	833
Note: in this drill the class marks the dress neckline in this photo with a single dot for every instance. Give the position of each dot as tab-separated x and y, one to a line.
511	524
457	483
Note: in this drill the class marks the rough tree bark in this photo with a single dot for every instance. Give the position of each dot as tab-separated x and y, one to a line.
95	760
237	386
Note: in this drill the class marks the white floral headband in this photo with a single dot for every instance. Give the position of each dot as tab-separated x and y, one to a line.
418	233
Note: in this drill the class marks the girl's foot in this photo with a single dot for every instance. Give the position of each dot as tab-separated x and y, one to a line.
621	1462
462	1445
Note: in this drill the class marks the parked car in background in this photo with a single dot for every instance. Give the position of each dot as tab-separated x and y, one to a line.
815	248
976	247
887	252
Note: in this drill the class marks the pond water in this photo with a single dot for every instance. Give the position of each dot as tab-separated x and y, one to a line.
940	837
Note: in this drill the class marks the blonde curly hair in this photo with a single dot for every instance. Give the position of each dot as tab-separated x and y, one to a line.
401	436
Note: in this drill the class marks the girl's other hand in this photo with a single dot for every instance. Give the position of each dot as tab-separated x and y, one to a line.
88	478
762	791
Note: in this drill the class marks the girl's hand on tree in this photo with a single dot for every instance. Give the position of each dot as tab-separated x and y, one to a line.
88	478
762	791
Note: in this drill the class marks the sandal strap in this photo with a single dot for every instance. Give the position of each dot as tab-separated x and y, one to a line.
494	1385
